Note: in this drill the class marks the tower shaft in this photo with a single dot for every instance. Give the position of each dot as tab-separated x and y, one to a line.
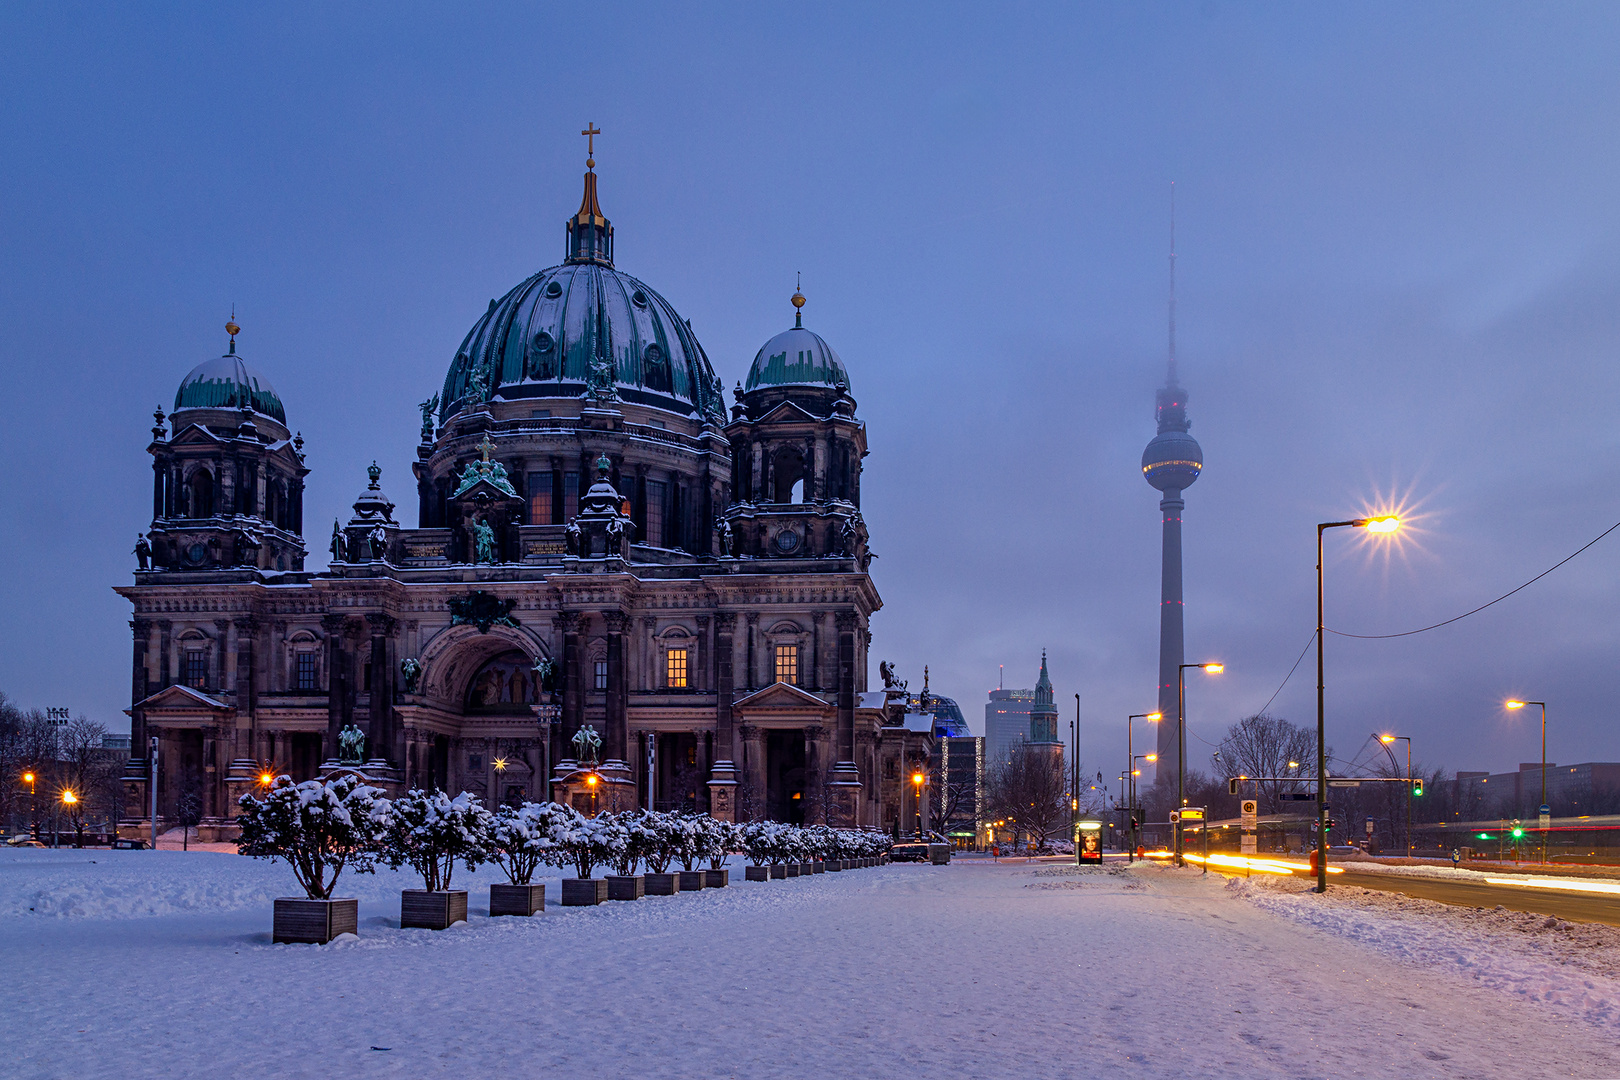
1171	642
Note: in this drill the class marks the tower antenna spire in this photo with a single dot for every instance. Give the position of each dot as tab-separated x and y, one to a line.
1171	381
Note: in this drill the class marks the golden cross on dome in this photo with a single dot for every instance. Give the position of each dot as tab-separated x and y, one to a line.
486	446
591	132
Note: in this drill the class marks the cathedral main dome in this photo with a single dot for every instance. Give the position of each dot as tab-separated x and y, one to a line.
567	327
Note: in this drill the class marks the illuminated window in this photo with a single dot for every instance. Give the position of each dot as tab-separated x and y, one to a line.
787	663
601	675
304	671
194	673
675	669
540	498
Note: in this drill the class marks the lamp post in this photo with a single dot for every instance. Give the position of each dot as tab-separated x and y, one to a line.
1385	524
1386	740
1130	749
1181	741
33	809
917	784
1545	809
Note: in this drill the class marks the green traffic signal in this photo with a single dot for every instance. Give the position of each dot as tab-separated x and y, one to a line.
1517	833
1484	836
1417	789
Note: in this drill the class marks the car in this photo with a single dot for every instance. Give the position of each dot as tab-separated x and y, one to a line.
24	843
909	851
128	845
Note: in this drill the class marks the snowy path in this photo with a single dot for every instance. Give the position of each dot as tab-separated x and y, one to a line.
974	970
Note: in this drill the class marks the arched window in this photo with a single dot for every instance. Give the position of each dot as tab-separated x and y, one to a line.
202	494
655	369
789	475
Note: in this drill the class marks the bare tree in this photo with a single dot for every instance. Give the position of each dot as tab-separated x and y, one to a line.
188	808
1264	745
1030	792
949	795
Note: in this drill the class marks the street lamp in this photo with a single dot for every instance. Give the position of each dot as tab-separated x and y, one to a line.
1545	809
1386	740
1384	524
1208	668
916	784
33	809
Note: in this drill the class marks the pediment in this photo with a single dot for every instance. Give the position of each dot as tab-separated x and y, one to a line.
179	698
782	696
195	435
787	413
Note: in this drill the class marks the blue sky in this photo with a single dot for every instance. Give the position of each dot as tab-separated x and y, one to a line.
1399	275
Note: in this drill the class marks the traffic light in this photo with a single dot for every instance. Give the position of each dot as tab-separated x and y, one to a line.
1517	833
1417	789
1231	786
1484	836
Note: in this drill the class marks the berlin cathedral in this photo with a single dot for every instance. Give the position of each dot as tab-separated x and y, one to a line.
614	579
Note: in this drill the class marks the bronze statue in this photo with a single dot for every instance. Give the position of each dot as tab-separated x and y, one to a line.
411	668
143	551
483	542
337	547
351	745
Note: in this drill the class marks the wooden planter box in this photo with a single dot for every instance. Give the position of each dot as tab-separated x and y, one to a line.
313	922
806	869
835	865
692	880
516	899
716	879
792	869
755	873
626	888
778	870
821	866
432	910
584	892
664	884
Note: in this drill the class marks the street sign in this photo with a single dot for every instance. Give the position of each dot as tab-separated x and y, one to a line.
1344	783
1546	817
1192	813
1297	796
1247	845
1369	826
1249	809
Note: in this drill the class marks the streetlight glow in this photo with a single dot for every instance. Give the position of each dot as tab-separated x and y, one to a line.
1387	524
266	779
1511	704
1154	717
1386	738
1214	669
68	798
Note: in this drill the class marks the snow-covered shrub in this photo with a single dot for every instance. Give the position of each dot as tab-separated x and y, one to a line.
589	842
686	837
664	840
524	838
716	840
430	832
758	842
318	827
640	837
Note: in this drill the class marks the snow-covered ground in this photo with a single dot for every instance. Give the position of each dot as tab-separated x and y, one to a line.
133	964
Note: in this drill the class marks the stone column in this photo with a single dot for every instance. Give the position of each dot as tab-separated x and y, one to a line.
846	777
816	773
616	740
337	682
567	624
649	677
387	743
141	631
698	673
753	657
723	778
816	682
752	769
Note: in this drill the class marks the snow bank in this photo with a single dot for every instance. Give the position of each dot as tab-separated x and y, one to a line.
1573	966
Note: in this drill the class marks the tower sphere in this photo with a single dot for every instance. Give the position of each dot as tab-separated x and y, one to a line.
1172	461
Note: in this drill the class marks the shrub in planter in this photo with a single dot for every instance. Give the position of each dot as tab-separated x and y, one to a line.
587	843
523	839
686	837
637	832
430	832
717	839
319	828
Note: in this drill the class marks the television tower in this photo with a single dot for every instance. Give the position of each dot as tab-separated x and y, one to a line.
1171	462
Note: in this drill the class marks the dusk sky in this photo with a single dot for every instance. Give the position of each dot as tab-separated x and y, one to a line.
1399	283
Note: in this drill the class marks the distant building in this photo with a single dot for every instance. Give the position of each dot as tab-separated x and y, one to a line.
1043	714
115	742
1592	787
1006	724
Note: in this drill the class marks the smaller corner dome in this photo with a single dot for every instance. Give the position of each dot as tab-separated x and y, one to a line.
796	357
226	382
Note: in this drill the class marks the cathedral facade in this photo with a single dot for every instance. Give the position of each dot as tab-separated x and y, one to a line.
615	577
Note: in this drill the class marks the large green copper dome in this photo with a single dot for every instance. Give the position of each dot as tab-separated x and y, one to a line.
226	382
545	338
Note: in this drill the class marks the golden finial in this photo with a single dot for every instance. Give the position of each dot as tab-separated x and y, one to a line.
798	301
591	132
232	329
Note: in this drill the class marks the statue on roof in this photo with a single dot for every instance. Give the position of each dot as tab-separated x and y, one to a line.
351	745
600	383
143	550
428	407
483	542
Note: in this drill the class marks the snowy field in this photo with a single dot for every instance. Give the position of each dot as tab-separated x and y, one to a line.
134	964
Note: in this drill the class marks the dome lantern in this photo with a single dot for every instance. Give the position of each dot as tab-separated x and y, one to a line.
590	234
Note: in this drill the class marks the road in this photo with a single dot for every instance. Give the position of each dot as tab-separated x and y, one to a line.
1572	906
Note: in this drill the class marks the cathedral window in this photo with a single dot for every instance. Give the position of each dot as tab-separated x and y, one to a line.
675	669
539	498
304	670
656	493
201	490
194	669
599	670
787	664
